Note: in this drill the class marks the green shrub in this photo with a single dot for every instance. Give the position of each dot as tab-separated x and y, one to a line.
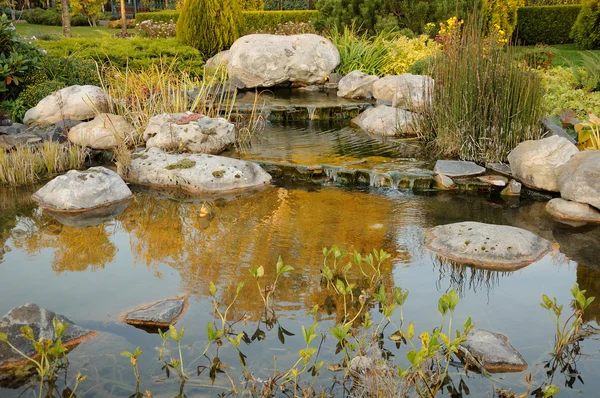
252	5
423	66
158	16
562	92
368	15
51	17
18	58
532	3
286	4
359	51
546	24
484	103
34	93
116	24
586	31
257	20
501	14
415	14
137	53
209	25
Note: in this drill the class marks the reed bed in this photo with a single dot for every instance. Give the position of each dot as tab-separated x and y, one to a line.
24	164
484	102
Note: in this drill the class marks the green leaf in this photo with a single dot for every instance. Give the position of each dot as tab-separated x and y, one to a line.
279	264
3	337
126	354
339	284
212	289
286	268
173	333
410	331
260	272
239	287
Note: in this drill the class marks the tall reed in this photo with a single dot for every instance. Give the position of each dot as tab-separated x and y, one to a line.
26	165
484	103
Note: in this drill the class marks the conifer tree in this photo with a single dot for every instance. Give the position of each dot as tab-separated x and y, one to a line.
209	25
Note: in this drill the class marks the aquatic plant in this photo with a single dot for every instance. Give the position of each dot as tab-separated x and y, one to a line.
133	360
27	164
589	132
484	102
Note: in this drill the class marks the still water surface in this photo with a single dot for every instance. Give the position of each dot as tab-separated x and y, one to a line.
162	247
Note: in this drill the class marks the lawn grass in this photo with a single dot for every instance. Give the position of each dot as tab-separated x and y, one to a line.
563	54
28	30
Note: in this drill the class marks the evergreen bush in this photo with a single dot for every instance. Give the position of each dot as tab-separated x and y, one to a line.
546	24
501	14
209	25
252	5
586	31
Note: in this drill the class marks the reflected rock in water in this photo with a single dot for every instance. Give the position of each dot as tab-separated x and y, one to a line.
494	247
589	280
41	322
91	217
463	277
581	245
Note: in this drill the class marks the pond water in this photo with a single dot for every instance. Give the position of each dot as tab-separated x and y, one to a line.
165	245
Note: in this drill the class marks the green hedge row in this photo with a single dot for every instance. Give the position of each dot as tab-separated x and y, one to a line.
546	24
253	20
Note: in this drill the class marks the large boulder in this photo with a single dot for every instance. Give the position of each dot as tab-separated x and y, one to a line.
385	120
538	164
566	210
83	190
69	103
40	321
356	84
189	132
580	178
106	131
197	173
413	93
495	247
492	351
268	60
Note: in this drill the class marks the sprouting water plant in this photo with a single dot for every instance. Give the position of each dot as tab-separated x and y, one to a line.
177	364
569	331
267	291
133	360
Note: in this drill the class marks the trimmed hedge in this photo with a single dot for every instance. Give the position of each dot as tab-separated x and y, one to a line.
546	24
51	17
253	20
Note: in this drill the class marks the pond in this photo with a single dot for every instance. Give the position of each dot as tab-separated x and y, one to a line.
166	245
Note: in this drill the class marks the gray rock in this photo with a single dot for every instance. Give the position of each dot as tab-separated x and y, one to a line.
13	129
555	129
189	132
537	164
40	321
493	351
385	120
356	84
413	92
500	168
497	181
162	313
22	138
444	182
70	103
106	131
457	168
495	247
572	211
198	173
308	89
221	60
83	190
334	78
267	60
579	180
512	189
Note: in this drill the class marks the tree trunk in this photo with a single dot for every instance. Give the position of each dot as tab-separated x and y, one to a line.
66	18
310	4
123	18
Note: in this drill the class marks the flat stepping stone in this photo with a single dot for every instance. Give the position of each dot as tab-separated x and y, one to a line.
160	314
567	210
78	191
40	321
497	181
196	173
493	351
488	246
500	168
457	168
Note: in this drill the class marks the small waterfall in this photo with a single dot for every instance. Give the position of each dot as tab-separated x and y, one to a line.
312	110
331	172
395	179
375	180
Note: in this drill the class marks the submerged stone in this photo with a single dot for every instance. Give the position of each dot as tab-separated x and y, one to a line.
197	173
572	211
495	247
538	164
493	351
40	321
83	190
457	168
162	313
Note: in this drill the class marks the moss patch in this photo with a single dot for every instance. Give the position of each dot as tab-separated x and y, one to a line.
182	164
218	173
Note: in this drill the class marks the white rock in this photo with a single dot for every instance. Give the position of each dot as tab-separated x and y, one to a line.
385	120
267	60
83	190
204	135
104	132
538	163
221	60
198	173
580	178
413	92
572	211
444	182
356	84
69	103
